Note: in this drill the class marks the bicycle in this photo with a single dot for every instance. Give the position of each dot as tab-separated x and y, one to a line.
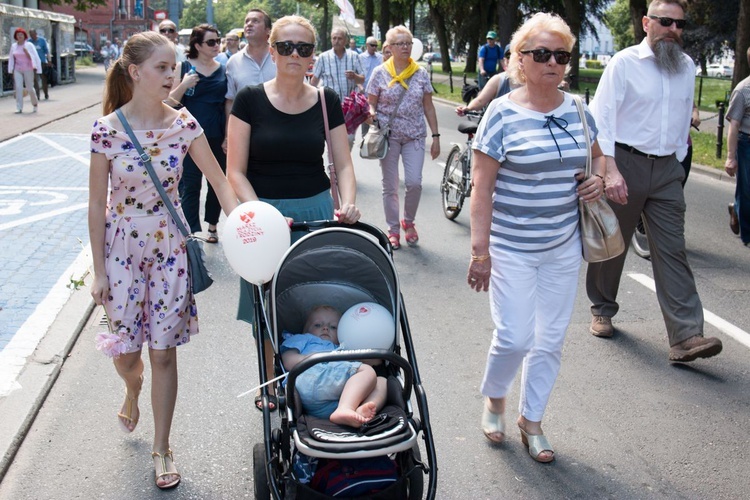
456	184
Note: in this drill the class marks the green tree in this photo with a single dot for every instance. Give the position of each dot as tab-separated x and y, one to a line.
80	5
617	19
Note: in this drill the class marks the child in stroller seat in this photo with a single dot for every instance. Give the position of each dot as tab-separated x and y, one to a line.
346	392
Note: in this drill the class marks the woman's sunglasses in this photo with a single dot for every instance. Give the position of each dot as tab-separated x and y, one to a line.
167	30
286	48
667	22
543	55
211	43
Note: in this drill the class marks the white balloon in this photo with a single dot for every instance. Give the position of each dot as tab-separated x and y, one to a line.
416	49
255	238
367	325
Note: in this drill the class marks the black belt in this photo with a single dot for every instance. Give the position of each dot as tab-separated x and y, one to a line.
631	149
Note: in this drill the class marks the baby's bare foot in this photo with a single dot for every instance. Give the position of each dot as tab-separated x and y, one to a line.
368	410
345	416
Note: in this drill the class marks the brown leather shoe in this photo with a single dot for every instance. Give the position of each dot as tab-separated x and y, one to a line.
734	222
695	347
601	326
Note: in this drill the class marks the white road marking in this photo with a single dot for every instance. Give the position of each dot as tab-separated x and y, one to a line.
723	325
26	339
46	215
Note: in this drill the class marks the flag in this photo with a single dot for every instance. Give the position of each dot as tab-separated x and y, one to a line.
347	12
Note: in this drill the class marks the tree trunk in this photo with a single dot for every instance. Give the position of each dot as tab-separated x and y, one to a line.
385	18
637	11
573	18
369	17
325	33
438	21
507	14
741	64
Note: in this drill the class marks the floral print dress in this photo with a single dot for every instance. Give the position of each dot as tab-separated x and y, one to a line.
145	254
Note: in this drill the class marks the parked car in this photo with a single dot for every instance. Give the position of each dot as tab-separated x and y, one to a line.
434	57
717	70
83	49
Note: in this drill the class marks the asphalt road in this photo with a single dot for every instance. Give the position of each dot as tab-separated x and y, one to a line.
625	422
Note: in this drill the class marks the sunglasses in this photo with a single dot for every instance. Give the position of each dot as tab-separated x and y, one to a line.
544	55
286	48
167	30
211	43
372	44
667	22
402	44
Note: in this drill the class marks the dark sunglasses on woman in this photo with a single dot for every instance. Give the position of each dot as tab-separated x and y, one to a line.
286	48
543	55
667	22
211	43
167	30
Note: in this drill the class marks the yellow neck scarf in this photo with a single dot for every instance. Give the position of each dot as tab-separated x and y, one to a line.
404	75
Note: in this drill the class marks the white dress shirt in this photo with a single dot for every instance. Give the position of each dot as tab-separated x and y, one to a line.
639	104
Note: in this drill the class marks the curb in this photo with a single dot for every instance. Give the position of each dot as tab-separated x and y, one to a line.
20	408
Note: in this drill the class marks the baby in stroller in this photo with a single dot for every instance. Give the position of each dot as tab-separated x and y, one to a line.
345	392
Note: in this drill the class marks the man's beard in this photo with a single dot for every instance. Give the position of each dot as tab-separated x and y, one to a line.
669	54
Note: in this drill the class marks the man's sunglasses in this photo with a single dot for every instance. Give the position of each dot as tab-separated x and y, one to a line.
372	44
543	55
667	22
167	30
211	43
286	48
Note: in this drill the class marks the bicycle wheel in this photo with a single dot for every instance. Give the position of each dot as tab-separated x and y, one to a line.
452	185
640	240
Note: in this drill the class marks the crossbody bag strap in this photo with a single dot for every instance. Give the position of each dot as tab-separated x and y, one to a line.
585	125
331	167
150	169
393	114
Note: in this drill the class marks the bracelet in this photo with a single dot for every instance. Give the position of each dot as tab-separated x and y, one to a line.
435	135
479	258
597	175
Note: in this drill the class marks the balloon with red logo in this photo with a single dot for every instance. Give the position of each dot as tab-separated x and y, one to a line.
367	325
255	238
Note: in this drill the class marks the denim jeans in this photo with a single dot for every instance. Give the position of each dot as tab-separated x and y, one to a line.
742	191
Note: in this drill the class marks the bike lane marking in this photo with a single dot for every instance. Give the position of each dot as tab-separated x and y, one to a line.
723	325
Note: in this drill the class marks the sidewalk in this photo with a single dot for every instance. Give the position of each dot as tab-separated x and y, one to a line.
64	100
38	375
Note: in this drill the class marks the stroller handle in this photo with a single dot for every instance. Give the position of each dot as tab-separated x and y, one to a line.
310	226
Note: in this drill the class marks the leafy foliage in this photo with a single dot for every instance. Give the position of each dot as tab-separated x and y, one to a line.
617	19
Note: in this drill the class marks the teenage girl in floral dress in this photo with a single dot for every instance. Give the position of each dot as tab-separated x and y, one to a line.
140	261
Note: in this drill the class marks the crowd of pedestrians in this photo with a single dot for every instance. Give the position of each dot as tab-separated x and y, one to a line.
232	109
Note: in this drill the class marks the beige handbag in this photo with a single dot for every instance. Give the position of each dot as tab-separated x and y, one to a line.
374	144
600	232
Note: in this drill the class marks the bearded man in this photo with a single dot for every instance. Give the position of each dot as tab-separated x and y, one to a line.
643	108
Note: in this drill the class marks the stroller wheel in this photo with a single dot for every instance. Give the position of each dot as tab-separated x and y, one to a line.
260	479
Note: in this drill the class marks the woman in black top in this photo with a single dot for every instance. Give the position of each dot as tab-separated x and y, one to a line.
276	140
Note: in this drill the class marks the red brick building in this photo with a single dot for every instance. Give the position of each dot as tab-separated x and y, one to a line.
118	19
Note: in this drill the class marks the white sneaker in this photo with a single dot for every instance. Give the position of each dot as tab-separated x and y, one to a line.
19	111
34	110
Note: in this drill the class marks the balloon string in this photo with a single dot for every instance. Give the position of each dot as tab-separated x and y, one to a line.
262	385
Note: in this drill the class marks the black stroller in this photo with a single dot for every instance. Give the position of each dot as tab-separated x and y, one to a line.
339	265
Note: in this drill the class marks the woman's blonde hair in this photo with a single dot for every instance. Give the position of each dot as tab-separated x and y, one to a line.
392	33
286	21
541	22
118	88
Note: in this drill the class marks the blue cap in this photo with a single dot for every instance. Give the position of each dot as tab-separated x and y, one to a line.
507	51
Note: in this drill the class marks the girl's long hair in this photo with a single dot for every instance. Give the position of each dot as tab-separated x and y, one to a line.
118	88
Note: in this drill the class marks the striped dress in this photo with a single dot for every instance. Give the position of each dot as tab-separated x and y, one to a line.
535	206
